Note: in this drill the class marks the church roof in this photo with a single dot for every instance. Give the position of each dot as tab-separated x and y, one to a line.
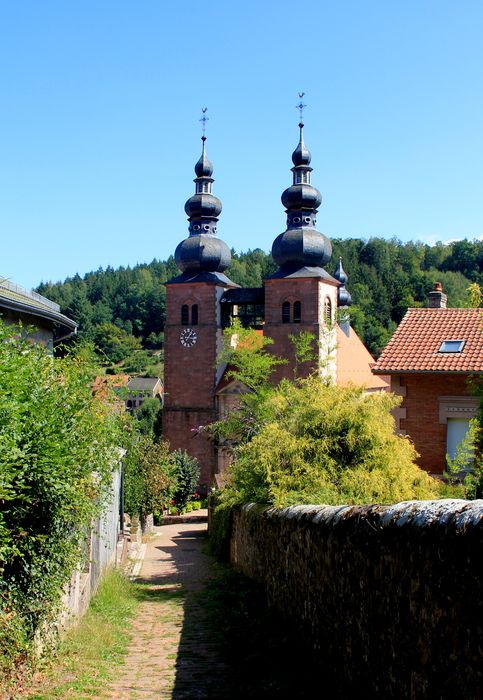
355	362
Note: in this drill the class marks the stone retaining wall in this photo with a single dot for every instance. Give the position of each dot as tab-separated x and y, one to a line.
392	596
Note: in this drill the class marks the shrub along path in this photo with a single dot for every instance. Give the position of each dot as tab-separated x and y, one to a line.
204	632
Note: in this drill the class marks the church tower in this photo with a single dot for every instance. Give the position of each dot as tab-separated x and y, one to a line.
301	295
193	325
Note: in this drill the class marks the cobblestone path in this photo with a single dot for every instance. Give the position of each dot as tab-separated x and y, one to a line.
171	654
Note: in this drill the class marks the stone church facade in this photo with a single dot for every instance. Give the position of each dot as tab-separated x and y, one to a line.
300	296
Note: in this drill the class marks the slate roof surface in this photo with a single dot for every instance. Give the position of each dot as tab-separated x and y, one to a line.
143	383
414	347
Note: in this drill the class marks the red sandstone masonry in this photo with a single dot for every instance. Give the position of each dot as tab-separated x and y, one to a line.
310	291
190	374
422	414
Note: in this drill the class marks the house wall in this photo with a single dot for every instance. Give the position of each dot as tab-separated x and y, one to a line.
420	413
41	330
390	596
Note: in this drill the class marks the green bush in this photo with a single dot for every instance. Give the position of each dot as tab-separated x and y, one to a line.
59	443
150	476
187	474
318	443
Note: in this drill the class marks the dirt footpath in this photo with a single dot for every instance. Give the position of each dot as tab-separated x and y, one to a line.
171	654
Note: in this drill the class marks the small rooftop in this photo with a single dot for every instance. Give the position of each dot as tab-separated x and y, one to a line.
19	299
144	383
416	344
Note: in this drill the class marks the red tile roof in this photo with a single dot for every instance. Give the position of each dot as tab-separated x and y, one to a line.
415	344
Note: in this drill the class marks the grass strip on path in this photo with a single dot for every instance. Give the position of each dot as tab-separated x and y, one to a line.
89	654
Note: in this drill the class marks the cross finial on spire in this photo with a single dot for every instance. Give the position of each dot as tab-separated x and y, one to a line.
203	120
300	107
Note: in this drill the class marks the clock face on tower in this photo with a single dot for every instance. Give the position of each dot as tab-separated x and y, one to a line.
188	337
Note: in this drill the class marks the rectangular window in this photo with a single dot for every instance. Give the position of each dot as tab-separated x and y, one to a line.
452	346
286	312
194	315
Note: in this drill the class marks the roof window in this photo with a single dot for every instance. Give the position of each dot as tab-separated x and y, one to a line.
452	346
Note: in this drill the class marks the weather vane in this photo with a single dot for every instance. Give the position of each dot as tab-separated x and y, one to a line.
301	106
203	120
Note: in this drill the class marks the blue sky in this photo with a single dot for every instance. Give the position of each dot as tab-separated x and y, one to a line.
99	126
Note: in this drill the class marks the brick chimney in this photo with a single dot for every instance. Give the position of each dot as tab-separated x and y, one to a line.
437	299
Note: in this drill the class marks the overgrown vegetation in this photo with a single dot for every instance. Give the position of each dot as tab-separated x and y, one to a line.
308	441
60	441
187	475
151	478
466	468
88	655
318	443
385	277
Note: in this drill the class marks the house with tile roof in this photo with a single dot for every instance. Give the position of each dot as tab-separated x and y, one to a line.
141	388
41	315
430	360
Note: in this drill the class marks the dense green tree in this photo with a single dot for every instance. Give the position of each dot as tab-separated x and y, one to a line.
385	277
148	416
187	474
149	477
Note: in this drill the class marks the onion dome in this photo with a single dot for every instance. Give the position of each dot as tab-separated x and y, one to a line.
301	245
204	167
202	251
343	296
301	155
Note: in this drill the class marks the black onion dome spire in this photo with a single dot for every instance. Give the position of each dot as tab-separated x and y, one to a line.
202	251
301	245
204	167
301	155
343	296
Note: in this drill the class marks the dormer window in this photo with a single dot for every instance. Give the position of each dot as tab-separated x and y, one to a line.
452	346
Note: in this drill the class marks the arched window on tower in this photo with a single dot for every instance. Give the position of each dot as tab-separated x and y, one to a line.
185	315
194	315
286	312
327	311
297	311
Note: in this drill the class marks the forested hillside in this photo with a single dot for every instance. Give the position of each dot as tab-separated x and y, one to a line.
123	310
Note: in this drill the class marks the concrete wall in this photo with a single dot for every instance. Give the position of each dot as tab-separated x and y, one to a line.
392	596
102	548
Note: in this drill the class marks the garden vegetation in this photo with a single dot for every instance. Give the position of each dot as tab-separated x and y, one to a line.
60	441
309	441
